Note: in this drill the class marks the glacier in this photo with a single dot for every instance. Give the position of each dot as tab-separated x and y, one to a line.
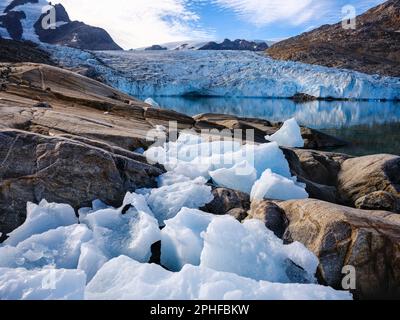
225	73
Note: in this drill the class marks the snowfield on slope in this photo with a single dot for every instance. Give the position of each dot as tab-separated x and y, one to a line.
225	73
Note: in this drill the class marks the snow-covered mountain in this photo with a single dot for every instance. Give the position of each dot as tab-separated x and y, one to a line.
22	20
226	44
226	73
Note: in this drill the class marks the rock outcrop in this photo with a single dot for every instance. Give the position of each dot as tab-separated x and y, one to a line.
371	182
342	236
271	214
372	47
23	51
226	200
36	167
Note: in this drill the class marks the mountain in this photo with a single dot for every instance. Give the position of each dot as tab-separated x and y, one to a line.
23	51
22	20
373	47
235	45
257	45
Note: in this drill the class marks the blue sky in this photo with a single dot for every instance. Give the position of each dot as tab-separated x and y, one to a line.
139	23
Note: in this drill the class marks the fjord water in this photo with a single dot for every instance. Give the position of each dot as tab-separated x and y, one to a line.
370	127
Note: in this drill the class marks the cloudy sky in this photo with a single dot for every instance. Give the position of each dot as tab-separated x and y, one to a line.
139	23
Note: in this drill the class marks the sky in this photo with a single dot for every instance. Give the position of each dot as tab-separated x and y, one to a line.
141	23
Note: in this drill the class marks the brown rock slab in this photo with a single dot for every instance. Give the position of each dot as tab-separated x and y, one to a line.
35	167
271	214
362	176
341	236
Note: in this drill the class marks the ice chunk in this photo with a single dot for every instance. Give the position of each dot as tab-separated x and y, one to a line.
206	149
41	218
167	201
152	102
125	279
46	284
91	259
276	187
131	234
301	256
289	135
170	178
261	157
59	247
181	241
240	177
251	250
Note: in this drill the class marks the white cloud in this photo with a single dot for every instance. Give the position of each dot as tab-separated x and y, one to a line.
140	23
263	12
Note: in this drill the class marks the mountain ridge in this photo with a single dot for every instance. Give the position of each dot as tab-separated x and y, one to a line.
373	47
68	33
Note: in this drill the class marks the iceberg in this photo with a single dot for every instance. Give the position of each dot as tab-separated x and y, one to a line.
289	135
125	279
275	187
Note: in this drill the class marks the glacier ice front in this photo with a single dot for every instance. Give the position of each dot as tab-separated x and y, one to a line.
226	73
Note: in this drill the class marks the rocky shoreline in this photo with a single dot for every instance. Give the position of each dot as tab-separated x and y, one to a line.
67	138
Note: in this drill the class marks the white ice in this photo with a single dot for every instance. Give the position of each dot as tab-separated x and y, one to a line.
45	284
275	187
227	73
251	250
167	201
115	233
240	177
181	241
152	102
289	135
41	218
59	248
125	279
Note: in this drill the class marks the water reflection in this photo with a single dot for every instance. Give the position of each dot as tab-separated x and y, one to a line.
316	114
370	126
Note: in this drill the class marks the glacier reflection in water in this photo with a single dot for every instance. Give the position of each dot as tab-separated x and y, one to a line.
315	114
370	126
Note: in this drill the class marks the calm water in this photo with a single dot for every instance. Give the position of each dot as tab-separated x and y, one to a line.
370	127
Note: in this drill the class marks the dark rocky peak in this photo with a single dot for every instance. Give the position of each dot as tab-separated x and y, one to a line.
238	44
